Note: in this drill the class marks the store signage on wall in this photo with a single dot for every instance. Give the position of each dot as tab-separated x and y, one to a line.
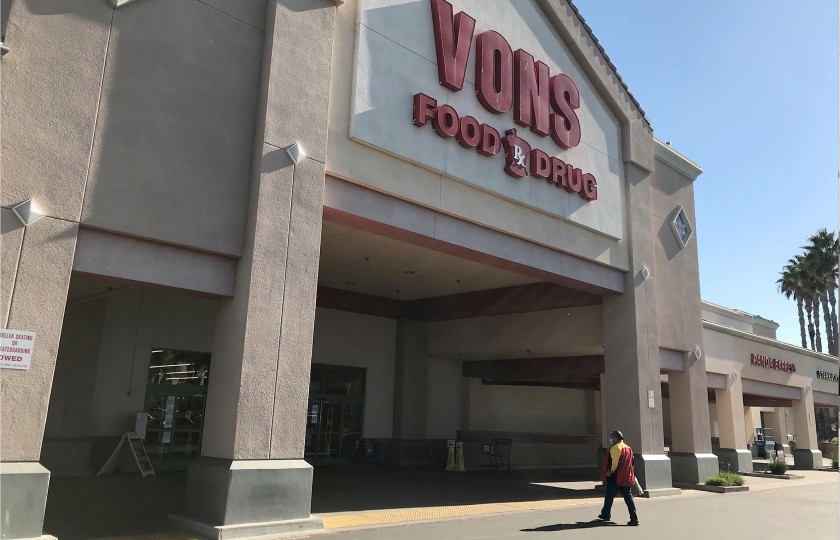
505	80
828	376
772	363
16	349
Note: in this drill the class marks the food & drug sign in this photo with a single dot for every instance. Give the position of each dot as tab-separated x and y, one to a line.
505	79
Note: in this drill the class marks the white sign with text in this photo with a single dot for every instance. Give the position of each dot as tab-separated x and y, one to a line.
16	349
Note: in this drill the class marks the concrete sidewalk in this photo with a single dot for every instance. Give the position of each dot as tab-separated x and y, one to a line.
806	508
530	497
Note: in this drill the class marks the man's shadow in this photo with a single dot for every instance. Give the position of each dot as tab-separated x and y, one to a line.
569	526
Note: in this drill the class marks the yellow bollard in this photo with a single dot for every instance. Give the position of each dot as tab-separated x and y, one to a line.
459	453
450	457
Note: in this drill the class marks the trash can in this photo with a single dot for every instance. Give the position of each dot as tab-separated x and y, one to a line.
380	449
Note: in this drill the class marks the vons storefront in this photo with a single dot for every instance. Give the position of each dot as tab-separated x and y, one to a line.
282	228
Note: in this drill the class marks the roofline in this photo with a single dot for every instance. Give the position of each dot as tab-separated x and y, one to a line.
737	313
582	43
665	153
610	64
770	341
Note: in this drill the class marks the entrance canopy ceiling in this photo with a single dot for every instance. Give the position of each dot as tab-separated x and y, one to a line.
370	264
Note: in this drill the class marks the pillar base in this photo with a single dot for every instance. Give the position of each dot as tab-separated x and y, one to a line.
807	459
654	473
247	498
691	468
735	459
23	497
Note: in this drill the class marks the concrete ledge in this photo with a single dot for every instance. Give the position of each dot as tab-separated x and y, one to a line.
23	498
714	489
245	530
663	492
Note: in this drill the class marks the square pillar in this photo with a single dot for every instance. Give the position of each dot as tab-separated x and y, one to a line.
778	421
631	385
752	420
37	261
807	454
411	382
733	452
251	479
692	460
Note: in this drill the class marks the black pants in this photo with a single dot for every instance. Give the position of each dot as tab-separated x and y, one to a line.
612	489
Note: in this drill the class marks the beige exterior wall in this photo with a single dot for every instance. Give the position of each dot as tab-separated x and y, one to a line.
728	351
103	363
350	339
560	332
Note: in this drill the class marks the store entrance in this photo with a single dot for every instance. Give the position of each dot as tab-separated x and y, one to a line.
334	418
176	393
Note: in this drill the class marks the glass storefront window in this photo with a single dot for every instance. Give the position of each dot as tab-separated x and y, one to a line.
169	366
176	394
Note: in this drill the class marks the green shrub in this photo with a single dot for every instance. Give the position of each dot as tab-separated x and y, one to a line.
777	466
834	461
833	440
725	479
792	445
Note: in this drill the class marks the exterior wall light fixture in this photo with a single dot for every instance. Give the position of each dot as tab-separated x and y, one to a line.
28	212
120	3
697	352
645	273
296	153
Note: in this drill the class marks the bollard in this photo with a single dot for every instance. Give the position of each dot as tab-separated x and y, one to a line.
450	457
459	457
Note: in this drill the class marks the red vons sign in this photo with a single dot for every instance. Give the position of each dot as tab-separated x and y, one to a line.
505	80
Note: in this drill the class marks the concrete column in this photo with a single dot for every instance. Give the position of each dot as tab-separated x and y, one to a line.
410	386
733	452
631	350
778	422
752	420
807	454
252	479
601	414
36	294
692	460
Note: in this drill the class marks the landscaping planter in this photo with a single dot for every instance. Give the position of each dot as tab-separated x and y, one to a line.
714	489
768	475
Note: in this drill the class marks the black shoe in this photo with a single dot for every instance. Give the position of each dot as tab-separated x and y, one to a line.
634	523
602	518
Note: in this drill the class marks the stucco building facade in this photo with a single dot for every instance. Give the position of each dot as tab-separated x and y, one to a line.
282	228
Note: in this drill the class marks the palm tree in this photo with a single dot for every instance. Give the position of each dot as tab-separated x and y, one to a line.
811	279
790	284
821	254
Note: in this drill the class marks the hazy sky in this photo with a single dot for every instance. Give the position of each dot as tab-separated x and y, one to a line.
749	91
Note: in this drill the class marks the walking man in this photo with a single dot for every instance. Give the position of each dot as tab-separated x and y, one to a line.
619	476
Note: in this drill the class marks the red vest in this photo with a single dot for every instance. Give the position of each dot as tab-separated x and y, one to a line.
624	475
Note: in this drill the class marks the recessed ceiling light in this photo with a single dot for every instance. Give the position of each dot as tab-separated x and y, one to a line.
410	272
349	282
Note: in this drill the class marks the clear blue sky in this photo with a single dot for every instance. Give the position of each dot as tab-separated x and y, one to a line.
749	91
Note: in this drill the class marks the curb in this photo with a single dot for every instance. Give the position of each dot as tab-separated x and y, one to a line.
778	476
713	489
